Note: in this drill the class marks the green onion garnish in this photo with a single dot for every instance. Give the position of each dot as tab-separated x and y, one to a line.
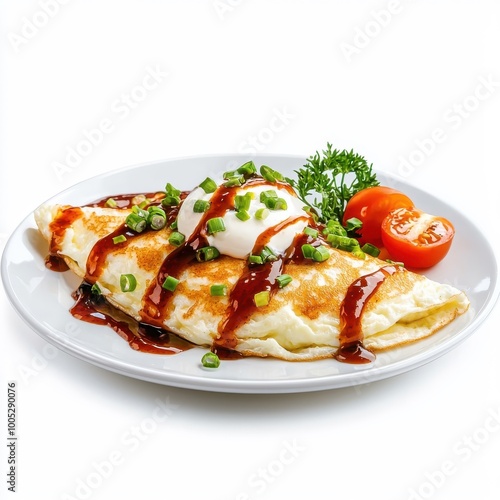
371	249
311	232
237	180
170	283
208	185
242	202
157	218
210	360
255	259
111	203
135	222
318	254
201	206
173	226
172	196
176	239
269	174
128	282
268	255
247	168
283	280
95	289
353	224
334	227
205	254
262	213
243	215
342	242
218	290
215	225
262	298
119	239
267	195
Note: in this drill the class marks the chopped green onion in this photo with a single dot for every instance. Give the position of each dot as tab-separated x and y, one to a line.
218	290
157	218
307	251
205	254
172	196
176	239
216	225
210	360
267	195
201	206
353	224
268	255
170	283
262	298
242	202
371	249
283	280
119	239
342	242
95	289
243	215
269	174
334	227
228	174
136	222
237	180
208	185
255	259
247	168
321	254
277	204
111	203
357	252
128	282
395	262
318	254
262	213
311	232
173	226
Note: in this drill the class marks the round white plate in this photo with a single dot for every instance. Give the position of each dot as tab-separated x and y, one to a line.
43	298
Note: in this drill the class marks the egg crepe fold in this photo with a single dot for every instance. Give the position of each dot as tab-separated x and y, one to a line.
301	322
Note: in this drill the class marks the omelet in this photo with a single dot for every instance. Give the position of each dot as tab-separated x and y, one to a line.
285	305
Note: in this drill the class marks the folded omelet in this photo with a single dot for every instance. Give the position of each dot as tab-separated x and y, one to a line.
304	320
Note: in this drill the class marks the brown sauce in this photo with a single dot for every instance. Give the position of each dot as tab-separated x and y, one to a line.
351	348
94	309
149	336
56	263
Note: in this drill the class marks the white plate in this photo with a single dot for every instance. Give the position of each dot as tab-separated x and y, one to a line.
43	297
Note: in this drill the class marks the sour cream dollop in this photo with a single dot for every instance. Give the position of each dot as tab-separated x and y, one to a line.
240	237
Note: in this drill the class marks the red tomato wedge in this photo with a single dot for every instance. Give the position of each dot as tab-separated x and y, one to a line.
417	239
371	206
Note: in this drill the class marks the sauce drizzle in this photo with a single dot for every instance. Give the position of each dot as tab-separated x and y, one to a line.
351	348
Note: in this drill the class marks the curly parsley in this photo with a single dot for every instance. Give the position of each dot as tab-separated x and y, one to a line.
329	180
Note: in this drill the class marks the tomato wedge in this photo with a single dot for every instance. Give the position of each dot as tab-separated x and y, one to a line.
371	206
417	239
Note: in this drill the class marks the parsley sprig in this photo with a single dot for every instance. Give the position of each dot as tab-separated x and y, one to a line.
329	180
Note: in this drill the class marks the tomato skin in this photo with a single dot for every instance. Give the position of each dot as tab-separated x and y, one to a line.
371	206
422	250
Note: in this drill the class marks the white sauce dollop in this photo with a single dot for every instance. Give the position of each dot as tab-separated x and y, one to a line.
239	238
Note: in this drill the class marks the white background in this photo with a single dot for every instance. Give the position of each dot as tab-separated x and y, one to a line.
405	83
